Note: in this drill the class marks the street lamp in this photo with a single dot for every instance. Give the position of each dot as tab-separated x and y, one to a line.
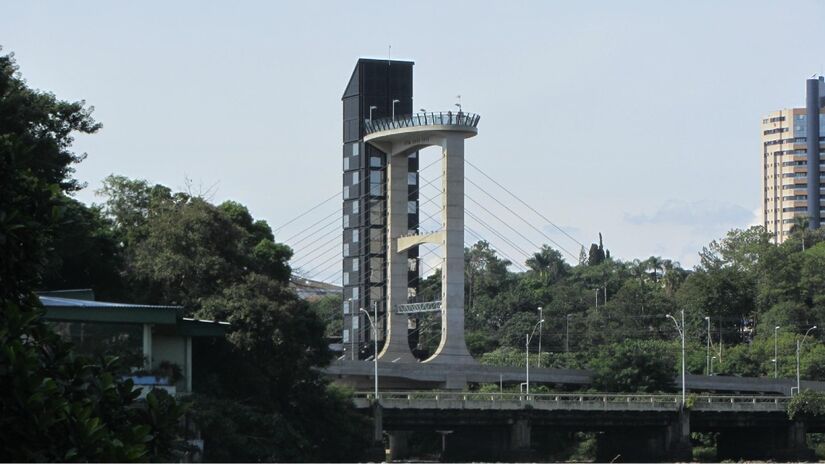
393	108
707	355
527	355
372	108
798	349
567	333
541	327
775	355
681	330
350	310
375	342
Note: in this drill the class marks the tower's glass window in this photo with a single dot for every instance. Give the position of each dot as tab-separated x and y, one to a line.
355	235
412	207
375	161
354	207
412	178
376	189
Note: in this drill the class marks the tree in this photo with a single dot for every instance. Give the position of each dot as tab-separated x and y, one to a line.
56	406
548	264
262	395
84	253
634	366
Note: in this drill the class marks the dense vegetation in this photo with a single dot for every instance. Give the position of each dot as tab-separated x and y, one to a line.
598	309
54	404
260	398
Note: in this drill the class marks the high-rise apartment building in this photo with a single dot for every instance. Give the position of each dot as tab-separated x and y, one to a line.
793	164
377	89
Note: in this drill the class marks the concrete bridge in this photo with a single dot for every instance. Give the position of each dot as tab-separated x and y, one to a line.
502	426
424	376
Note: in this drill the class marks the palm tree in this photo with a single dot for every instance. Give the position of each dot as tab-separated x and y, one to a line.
654	263
800	227
673	276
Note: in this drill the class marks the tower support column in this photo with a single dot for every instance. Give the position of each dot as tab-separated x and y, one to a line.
396	344
452	349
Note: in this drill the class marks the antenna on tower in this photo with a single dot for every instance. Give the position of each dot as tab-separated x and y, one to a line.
389	55
458	104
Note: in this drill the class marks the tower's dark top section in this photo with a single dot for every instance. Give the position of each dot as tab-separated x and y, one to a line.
376	83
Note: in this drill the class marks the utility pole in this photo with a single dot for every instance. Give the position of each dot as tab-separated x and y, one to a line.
567	334
527	356
707	355
681	330
798	350
775	354
541	327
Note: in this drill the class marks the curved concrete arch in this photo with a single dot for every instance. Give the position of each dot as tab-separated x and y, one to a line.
398	143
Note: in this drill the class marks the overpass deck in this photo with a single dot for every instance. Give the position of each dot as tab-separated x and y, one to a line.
421	376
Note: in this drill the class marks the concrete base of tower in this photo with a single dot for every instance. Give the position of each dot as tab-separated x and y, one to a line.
452	354
399	355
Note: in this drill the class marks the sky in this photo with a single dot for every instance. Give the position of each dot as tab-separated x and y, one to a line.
639	120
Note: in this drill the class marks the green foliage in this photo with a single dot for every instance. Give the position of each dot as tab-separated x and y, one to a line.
634	366
56	406
807	403
261	397
328	309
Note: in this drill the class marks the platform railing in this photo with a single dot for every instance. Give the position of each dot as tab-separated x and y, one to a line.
442	118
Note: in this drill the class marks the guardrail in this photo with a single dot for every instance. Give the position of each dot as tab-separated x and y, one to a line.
443	118
467	400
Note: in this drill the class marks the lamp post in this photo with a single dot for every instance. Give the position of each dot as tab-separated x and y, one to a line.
707	355
798	349
350	311
372	108
393	108
775	354
541	327
681	330
527	356
375	342
567	333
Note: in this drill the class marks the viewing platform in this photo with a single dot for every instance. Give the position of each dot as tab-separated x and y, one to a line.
443	120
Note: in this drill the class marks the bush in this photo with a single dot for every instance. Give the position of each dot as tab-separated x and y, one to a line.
807	404
634	366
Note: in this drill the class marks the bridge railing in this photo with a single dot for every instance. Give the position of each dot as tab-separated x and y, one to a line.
442	118
698	400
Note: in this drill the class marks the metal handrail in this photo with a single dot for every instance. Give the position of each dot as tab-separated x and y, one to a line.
569	397
441	118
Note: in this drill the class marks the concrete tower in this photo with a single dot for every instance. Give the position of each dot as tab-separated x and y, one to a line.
398	137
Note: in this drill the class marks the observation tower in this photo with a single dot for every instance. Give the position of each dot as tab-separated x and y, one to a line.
398	137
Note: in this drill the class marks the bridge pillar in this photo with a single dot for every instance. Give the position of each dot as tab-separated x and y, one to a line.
647	444
399	445
376	451
765	443
521	442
